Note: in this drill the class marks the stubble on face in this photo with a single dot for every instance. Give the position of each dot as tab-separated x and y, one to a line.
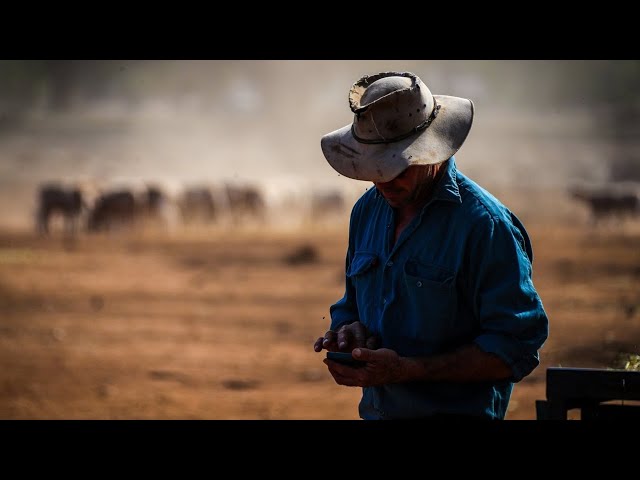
414	185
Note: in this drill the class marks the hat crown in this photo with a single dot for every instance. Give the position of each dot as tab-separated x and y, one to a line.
389	105
382	87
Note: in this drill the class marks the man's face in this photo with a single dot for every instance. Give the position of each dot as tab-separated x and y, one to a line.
403	190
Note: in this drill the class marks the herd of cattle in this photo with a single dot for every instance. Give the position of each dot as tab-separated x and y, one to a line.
125	208
122	208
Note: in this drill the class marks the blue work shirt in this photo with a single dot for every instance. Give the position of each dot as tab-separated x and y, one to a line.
459	273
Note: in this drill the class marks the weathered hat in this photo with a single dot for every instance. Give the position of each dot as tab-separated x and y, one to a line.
397	123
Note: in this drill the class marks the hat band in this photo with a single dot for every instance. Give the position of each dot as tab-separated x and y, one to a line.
423	126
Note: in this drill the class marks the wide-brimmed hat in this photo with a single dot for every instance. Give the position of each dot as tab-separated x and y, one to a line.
397	123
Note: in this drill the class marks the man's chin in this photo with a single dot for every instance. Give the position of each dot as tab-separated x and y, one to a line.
393	199
396	201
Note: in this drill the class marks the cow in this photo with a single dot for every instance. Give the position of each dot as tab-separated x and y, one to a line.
154	199
155	207
56	199
608	203
111	210
245	202
197	205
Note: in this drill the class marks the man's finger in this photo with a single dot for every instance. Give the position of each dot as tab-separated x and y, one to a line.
359	332
318	345
340	379
329	338
373	342
344	338
364	354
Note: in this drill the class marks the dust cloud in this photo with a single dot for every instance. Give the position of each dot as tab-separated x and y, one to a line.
538	124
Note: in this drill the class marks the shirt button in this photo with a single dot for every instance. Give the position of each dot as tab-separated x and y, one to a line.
418	283
389	263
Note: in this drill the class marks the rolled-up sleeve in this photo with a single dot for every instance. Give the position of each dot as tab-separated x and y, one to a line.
514	324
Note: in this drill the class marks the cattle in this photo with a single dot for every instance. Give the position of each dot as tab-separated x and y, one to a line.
154	199
606	203
155	207
55	199
197	205
245	202
112	210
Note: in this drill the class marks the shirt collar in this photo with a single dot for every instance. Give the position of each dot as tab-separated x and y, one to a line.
447	187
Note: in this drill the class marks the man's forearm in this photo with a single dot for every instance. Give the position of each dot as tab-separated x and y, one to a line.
467	364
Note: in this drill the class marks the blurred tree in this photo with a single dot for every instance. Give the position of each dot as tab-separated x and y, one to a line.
20	84
609	89
60	84
617	86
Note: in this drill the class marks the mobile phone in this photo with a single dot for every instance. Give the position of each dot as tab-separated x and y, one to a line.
345	358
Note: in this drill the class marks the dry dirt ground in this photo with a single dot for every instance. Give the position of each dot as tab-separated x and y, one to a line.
220	325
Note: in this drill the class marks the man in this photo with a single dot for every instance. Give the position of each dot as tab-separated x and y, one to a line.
439	299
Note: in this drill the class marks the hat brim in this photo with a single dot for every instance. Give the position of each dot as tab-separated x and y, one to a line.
383	162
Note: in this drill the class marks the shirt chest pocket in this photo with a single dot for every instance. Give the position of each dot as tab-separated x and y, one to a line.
431	300
362	273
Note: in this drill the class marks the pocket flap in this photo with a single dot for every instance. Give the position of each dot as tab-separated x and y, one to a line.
432	273
362	261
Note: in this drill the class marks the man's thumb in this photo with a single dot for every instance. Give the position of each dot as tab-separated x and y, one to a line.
363	354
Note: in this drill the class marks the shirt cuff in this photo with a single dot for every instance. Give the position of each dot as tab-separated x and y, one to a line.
510	351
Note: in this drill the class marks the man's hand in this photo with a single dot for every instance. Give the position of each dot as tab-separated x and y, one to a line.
348	337
383	366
